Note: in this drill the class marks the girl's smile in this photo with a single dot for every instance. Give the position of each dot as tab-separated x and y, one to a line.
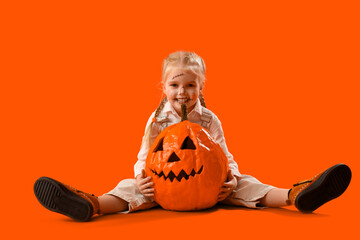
182	87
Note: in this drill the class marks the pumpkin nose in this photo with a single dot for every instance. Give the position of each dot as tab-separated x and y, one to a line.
173	158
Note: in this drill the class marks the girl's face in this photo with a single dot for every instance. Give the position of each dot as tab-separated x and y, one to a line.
182	87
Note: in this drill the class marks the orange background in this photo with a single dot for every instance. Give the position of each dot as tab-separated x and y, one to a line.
80	79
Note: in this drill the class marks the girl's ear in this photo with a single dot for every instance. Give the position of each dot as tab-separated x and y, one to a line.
163	87
201	83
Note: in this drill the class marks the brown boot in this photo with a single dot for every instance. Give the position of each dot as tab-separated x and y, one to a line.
310	194
64	199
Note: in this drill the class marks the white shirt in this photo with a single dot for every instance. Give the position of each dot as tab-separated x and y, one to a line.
214	129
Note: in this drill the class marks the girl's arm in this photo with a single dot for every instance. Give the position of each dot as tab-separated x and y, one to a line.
144	183
217	133
145	146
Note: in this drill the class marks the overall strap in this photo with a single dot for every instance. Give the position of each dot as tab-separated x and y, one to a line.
205	118
162	119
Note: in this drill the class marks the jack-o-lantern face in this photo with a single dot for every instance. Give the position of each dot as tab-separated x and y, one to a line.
187	167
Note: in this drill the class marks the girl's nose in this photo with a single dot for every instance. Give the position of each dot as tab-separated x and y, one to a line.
182	90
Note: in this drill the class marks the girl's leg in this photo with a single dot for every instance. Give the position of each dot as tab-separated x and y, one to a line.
112	204
277	197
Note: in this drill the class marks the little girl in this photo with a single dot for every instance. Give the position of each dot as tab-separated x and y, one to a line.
183	81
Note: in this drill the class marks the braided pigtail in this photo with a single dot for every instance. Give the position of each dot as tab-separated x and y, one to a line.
202	100
160	107
157	113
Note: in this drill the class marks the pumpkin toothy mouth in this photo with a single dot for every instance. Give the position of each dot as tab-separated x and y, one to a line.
179	177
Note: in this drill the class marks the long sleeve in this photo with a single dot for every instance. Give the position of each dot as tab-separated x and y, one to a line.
145	147
217	133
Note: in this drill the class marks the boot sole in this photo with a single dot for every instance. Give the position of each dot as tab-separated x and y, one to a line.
57	198
330	185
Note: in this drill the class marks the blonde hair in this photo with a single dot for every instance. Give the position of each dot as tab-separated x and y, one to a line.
184	60
187	61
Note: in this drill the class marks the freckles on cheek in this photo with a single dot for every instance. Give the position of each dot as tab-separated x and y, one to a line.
170	94
193	95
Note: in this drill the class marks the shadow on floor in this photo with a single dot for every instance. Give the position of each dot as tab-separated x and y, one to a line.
158	213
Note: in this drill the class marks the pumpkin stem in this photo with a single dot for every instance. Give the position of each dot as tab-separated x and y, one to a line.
183	112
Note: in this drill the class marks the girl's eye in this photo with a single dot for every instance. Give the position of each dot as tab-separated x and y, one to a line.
173	85
191	85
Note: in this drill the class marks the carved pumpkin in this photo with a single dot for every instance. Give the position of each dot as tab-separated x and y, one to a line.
187	167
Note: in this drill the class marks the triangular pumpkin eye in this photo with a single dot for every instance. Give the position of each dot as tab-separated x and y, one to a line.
188	144
159	146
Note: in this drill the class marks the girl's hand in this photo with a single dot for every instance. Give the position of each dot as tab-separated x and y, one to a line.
145	184
228	187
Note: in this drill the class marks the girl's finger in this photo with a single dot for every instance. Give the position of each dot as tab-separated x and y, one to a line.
227	184
224	190
221	199
142	181
148	190
222	195
148	195
145	180
227	188
145	186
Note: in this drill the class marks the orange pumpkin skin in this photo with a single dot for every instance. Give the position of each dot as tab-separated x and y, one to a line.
186	178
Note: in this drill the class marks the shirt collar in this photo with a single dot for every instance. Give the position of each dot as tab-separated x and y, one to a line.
168	108
198	107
